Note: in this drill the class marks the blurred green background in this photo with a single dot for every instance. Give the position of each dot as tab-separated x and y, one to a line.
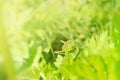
59	39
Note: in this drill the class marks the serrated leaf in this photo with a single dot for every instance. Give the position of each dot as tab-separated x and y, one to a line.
59	61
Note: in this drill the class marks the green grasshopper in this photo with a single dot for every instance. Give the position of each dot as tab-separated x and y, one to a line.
68	46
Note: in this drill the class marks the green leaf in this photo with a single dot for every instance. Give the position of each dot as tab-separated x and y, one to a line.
116	30
28	61
59	61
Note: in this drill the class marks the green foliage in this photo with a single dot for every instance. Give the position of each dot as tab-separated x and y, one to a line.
115	37
61	40
115	30
94	63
